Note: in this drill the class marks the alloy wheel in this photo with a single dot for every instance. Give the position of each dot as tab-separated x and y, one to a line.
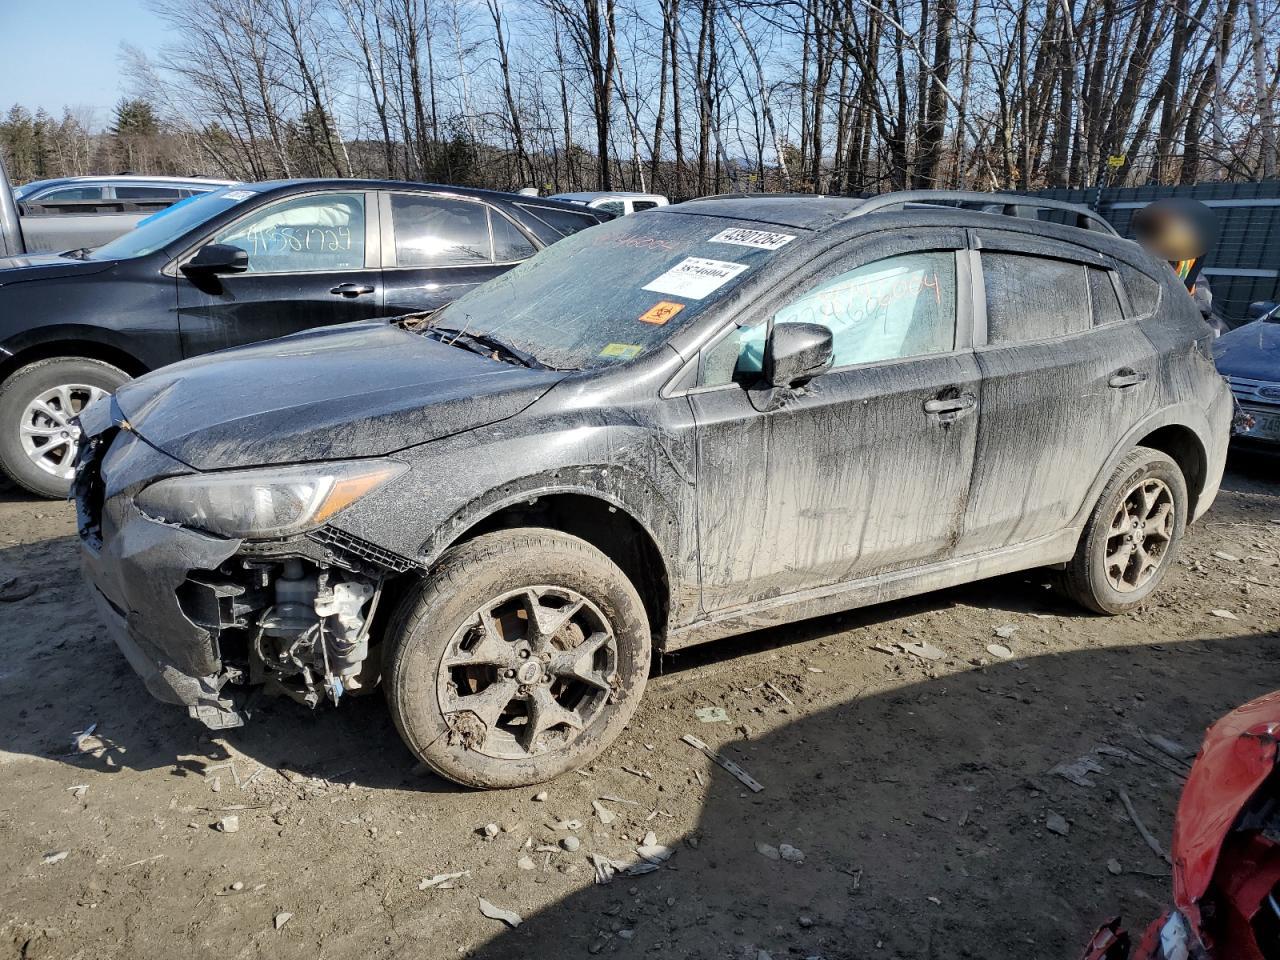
49	437
527	673
1140	533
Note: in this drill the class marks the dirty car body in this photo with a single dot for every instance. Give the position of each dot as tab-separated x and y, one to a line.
743	411
1225	851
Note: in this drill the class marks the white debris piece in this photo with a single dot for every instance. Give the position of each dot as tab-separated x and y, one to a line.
606	815
442	881
509	917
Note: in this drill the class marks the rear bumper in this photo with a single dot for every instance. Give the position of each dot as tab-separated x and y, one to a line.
1220	415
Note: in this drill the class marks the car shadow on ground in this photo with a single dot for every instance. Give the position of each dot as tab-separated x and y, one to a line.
921	815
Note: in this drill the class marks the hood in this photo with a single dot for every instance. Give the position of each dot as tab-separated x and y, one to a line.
46	266
1251	351
357	390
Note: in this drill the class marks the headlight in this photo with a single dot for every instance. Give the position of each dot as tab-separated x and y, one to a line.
266	502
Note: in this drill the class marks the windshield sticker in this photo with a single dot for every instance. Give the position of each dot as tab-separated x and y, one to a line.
695	277
621	351
760	239
238	194
661	312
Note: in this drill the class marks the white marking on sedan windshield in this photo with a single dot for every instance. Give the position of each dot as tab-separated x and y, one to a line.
695	277
760	239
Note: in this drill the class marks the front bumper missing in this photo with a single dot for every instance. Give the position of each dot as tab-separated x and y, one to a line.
137	565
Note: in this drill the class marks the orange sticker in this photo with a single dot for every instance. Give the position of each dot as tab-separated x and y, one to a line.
661	312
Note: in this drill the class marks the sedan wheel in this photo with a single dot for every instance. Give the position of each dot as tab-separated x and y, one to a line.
49	437
38	406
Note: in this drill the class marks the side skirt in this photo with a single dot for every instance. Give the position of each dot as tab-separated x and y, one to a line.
820	601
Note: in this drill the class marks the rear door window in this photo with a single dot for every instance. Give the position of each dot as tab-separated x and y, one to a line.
147	193
1033	298
439	231
1102	295
68	195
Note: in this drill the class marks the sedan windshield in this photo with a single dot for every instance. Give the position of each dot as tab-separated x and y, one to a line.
617	291
159	231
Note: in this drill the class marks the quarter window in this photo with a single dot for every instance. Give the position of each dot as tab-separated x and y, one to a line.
1144	293
302	234
1033	298
439	232
508	242
903	306
562	222
1102	293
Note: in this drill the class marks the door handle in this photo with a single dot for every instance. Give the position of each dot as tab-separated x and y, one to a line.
1126	377
950	409
351	289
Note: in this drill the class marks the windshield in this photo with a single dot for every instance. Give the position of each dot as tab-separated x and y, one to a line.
615	292
156	232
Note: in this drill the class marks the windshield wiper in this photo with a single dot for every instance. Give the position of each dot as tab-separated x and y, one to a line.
486	344
80	253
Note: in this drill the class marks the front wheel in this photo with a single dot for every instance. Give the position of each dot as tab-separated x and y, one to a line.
38	402
1132	536
521	657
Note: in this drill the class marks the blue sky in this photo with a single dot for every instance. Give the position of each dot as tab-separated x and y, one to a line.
66	52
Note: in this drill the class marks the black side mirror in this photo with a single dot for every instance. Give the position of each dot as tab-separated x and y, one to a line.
796	353
218	258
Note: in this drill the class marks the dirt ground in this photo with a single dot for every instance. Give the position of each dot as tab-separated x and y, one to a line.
919	793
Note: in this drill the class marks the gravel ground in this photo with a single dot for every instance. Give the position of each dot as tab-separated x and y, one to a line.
919	796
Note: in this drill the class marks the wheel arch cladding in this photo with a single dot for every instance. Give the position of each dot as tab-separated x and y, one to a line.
1181	443
605	524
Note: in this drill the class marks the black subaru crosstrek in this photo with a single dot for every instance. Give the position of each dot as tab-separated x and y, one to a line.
722	415
244	263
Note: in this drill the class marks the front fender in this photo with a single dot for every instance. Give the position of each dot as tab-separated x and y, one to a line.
454	483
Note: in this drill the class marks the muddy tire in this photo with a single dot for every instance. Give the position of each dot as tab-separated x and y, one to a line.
521	657
1133	535
37	403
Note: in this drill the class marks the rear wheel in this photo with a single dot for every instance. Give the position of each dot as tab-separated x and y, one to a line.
38	402
1133	535
523	656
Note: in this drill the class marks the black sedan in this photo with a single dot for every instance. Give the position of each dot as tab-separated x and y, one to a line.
245	263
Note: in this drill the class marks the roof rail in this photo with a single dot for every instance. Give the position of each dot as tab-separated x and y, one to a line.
1007	202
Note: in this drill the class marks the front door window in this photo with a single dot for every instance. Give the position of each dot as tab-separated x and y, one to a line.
302	235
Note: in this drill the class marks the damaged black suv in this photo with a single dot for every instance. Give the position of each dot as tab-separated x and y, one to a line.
722	415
